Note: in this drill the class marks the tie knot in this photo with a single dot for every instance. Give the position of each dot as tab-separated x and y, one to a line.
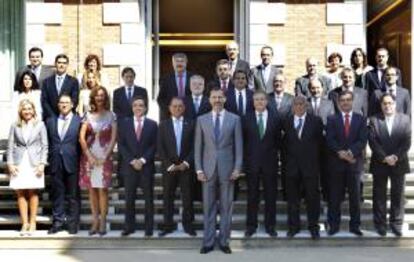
138	119
347	115
260	114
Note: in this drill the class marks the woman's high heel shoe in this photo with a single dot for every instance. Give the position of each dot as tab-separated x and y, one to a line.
94	230
25	229
102	227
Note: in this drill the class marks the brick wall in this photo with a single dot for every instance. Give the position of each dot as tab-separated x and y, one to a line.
304	34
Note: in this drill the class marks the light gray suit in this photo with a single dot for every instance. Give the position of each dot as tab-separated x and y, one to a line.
258	80
218	161
36	146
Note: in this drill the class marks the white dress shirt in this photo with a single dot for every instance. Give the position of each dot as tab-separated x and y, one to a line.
350	117
392	88
126	91
61	121
243	93
181	123
62	77
389	121
214	113
279	99
296	122
266	72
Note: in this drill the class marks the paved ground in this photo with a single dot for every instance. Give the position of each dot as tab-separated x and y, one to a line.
308	254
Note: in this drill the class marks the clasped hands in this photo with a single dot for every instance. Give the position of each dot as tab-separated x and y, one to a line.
203	178
14	170
391	160
347	156
136	164
178	167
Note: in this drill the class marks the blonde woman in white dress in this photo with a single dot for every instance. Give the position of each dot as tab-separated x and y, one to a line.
27	88
92	82
26	160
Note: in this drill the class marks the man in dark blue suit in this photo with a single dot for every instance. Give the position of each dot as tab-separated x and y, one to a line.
175	84
390	140
223	78
64	152
123	95
137	143
197	103
303	140
346	136
261	132
56	85
239	100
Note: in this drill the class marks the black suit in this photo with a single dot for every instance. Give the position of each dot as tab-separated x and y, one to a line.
63	170
167	150
344	174
383	144
402	101
121	105
231	102
283	112
190	110
302	169
45	72
324	110
130	148
359	103
168	90
373	83
261	165
49	97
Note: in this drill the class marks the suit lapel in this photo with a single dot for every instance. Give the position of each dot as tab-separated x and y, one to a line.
70	127
19	134
171	133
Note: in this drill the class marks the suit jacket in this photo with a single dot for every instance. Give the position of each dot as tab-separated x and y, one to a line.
66	150
359	104
225	156
258	80
383	144
45	72
36	146
49	97
372	82
169	89
130	148
167	146
303	153
242	65
217	82
302	83
122	107
190	112
326	108
285	108
261	153
356	140
402	101
231	102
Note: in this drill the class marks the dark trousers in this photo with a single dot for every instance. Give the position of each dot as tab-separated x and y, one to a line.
295	185
380	199
146	181
338	183
269	183
281	169
64	185
170	181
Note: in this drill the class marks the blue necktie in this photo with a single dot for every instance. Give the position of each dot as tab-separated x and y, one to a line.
129	94
299	126
240	107
217	128
196	104
177	128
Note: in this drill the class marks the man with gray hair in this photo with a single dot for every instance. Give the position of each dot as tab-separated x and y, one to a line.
302	83
174	84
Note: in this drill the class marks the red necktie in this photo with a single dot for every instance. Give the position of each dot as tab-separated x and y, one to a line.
347	125
180	85
223	85
138	131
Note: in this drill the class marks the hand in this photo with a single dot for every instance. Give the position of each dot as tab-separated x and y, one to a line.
91	160
342	154
181	167
13	170
173	169
391	160
201	177
99	162
136	164
40	170
235	175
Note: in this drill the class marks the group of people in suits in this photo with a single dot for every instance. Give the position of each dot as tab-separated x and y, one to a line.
243	123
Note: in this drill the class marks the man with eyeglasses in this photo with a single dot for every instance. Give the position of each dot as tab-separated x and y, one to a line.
302	83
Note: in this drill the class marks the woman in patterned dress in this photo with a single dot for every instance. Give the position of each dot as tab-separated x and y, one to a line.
97	139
